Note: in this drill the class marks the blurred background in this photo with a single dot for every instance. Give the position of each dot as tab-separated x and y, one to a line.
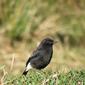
24	23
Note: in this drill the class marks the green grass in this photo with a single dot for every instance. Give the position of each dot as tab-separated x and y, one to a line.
34	77
32	14
31	20
72	78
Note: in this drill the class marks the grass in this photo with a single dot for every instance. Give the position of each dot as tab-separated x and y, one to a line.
30	15
35	77
31	20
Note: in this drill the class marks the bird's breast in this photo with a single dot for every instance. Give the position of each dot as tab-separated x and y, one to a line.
48	56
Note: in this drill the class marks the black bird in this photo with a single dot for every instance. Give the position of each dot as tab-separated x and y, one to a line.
41	57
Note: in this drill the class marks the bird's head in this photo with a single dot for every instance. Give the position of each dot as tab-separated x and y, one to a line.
48	42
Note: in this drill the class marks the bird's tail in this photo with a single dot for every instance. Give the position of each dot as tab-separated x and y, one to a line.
27	68
25	73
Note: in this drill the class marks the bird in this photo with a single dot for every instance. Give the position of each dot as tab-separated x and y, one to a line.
40	57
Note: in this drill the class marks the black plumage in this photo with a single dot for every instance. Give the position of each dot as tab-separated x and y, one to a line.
41	57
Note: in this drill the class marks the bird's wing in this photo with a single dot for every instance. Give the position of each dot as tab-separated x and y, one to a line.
28	61
34	54
37	62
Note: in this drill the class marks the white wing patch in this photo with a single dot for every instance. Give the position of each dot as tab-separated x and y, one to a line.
28	67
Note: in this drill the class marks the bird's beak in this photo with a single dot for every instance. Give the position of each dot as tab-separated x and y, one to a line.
55	41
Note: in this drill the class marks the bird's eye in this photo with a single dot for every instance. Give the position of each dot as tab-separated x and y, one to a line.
50	42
